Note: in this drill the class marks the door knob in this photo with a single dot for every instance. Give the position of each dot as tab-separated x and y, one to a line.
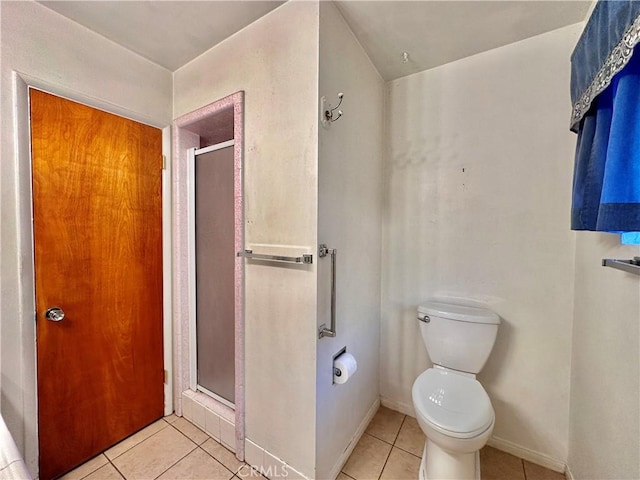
55	314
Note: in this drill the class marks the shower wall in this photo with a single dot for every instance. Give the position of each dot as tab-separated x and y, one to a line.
275	61
349	219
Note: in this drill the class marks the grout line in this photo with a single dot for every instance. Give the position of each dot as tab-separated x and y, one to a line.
378	438
117	469
110	461
398	434
195	426
390	450
184	435
91	472
407	451
385	462
130	436
368	434
524	470
178	461
234	473
392	447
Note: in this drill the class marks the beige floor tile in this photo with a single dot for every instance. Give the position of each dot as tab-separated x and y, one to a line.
86	468
224	456
367	459
154	455
249	473
343	476
411	437
135	439
401	465
536	472
190	430
108	472
171	418
197	466
497	465
385	424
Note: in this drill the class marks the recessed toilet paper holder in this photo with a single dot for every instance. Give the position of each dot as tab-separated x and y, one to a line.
336	371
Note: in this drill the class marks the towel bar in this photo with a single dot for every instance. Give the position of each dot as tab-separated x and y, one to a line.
630	266
306	258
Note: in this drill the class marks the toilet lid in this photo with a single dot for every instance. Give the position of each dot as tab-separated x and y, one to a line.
454	403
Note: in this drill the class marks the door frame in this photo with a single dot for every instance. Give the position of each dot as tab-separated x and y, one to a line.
26	273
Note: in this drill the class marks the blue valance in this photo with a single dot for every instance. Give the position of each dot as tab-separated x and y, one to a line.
605	89
604	48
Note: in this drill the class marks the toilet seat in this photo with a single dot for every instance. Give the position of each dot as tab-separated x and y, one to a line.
453	404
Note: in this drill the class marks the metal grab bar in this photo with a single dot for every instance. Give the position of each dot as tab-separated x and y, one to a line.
306	258
630	266
324	331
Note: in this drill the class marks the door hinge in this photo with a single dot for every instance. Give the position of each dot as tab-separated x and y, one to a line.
166	377
164	162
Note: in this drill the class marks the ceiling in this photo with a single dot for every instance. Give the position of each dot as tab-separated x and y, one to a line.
169	33
437	32
172	33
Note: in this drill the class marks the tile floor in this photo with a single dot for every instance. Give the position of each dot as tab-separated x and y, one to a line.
169	449
390	449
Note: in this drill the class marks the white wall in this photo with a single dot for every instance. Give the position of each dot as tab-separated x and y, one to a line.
52	52
275	61
349	219
479	174
604	440
604	443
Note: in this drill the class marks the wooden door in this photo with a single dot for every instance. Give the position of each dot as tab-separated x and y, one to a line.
97	206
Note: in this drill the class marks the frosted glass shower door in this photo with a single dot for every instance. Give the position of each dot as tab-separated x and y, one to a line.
214	271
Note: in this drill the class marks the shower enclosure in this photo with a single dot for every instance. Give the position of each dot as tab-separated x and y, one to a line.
208	277
212	244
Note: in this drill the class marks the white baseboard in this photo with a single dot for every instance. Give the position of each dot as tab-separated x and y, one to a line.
274	468
401	407
335	471
261	462
496	442
527	454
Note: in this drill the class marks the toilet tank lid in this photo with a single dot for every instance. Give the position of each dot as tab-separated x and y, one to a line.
461	313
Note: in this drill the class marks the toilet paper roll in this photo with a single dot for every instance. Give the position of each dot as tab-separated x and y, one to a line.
344	367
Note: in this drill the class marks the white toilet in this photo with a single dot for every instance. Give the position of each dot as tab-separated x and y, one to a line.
452	408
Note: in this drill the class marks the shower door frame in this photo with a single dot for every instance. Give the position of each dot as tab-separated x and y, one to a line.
193	334
187	132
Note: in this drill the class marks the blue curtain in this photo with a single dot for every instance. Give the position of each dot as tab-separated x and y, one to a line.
606	116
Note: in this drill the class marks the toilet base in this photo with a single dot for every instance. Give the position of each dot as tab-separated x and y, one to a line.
446	465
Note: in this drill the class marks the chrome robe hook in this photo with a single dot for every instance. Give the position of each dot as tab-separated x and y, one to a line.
328	113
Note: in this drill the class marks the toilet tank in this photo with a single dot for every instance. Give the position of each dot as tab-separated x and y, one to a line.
458	336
